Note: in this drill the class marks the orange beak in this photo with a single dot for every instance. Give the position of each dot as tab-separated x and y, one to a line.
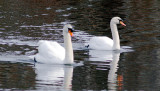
122	23
70	32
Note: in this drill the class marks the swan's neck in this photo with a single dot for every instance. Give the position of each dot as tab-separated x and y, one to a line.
68	49
115	36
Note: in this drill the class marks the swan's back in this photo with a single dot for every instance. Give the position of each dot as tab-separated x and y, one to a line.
50	52
101	43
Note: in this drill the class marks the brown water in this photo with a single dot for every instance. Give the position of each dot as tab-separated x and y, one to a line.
24	22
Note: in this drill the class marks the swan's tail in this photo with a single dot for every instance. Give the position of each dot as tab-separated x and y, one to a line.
35	59
32	57
87	46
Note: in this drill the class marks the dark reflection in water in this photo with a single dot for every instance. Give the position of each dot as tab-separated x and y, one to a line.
99	74
17	75
24	22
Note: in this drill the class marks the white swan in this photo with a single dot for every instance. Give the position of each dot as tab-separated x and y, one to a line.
52	52
105	43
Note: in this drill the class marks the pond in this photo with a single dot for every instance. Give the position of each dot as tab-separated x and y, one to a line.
24	22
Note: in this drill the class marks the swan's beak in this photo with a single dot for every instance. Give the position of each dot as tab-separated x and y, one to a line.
121	22
70	32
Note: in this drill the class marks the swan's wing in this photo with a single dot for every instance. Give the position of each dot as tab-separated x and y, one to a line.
49	52
101	43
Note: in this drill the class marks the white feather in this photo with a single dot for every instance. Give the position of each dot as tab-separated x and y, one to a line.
50	52
54	53
100	43
105	43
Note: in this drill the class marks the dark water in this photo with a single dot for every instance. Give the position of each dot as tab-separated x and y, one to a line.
24	22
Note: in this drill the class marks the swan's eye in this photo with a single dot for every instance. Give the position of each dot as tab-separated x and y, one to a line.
120	20
70	29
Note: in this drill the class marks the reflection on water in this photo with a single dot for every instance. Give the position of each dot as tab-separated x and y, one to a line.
99	72
17	75
57	77
24	22
108	60
99	55
112	76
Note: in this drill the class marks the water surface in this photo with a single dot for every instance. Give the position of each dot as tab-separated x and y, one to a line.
24	22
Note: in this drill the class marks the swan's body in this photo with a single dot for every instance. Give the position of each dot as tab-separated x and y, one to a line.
100	43
52	52
105	43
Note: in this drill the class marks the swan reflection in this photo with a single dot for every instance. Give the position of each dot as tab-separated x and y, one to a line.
54	76
113	77
109	59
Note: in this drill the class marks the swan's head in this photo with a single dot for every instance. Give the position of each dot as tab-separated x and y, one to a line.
117	20
68	29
